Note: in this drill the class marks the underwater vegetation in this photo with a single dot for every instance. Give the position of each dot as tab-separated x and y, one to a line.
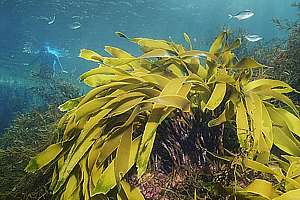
284	24
21	97
12	99
56	91
144	113
30	133
282	56
292	53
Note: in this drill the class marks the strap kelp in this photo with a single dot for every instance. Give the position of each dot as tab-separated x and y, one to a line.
112	128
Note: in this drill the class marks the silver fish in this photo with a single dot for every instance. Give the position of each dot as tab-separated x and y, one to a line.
43	18
242	15
51	21
76	17
253	38
75	25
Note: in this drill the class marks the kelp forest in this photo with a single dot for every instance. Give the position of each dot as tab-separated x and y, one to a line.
173	122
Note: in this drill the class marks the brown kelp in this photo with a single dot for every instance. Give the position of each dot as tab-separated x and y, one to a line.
109	133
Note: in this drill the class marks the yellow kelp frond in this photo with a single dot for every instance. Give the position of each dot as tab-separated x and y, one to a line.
90	55
44	157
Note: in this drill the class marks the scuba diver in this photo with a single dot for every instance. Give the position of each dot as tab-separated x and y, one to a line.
48	61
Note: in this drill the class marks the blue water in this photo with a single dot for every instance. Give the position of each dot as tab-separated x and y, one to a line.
27	25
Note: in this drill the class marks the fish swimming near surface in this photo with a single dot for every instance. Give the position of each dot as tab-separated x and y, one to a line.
242	15
253	38
75	25
43	18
